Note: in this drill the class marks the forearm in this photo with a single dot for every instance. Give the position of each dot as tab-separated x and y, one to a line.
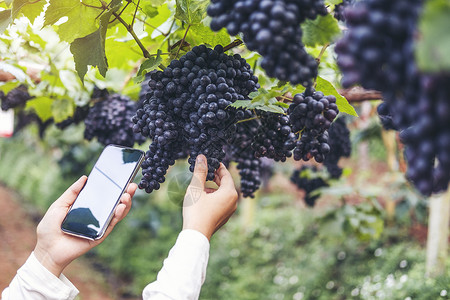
184	270
34	281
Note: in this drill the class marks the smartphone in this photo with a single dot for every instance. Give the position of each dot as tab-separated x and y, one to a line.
93	209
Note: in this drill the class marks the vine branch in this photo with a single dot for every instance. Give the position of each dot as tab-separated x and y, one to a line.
182	40
135	12
133	34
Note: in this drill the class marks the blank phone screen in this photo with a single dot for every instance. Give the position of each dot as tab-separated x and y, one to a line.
107	181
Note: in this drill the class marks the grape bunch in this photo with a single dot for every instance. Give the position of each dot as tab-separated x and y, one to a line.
248	165
80	114
275	138
416	104
27	118
340	8
306	178
17	97
372	51
272	28
311	114
427	140
385	116
340	146
109	120
186	110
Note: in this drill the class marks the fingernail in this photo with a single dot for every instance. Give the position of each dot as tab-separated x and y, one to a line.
200	159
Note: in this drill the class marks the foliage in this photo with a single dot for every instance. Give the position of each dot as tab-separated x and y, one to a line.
122	37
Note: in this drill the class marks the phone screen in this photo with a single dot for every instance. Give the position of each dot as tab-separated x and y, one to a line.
90	214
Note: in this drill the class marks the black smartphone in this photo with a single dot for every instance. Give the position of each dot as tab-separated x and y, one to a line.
93	209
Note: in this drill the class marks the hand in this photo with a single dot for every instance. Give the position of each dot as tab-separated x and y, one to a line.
55	249
206	209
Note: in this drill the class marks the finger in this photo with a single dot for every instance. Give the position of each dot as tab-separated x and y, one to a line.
210	190
200	172
226	181
119	214
125	201
216	175
132	187
69	196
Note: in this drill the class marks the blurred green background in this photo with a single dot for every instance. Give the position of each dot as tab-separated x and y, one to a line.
351	245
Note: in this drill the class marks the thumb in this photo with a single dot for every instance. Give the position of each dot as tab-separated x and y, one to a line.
200	172
72	192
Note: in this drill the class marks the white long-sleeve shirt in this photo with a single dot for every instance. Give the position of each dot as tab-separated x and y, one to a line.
181	276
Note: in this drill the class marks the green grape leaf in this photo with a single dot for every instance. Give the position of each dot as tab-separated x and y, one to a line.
81	20
432	56
5	19
29	8
282	104
271	108
320	31
149	65
200	32
191	11
90	50
328	89
8	2
242	104
62	109
9	85
264	100
150	10
155	3
42	106
328	2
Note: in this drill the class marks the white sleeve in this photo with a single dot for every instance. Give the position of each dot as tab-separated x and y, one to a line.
184	270
34	281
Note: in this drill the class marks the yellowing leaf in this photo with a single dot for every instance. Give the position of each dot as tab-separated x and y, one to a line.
5	19
29	8
81	17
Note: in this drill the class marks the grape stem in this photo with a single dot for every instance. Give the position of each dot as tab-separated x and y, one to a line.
150	25
324	48
232	45
246	120
285	98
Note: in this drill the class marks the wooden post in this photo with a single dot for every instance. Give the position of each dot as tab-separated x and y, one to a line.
248	207
438	233
391	155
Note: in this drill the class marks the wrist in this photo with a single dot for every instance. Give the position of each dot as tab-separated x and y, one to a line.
46	260
200	229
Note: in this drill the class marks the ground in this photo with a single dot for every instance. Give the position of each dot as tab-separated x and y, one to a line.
18	237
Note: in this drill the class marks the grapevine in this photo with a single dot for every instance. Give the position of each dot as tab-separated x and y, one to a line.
187	107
